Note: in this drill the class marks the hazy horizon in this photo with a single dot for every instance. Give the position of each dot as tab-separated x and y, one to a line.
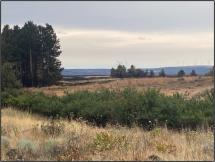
104	34
146	67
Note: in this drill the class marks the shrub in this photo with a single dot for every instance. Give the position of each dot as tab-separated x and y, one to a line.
52	148
106	141
126	107
5	143
156	132
26	146
181	73
103	141
169	148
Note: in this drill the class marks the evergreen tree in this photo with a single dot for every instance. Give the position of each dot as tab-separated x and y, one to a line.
132	71
211	72
193	73
50	50
139	73
8	77
113	72
121	71
33	52
162	73
152	73
181	73
146	73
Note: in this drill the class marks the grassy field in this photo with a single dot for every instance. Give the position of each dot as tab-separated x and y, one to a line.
186	85
26	136
31	137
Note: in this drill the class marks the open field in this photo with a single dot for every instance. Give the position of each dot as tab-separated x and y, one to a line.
24	138
28	136
186	85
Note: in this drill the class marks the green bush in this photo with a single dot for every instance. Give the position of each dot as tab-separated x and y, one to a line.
126	107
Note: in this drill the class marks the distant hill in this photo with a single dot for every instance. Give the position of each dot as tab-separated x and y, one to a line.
200	70
86	72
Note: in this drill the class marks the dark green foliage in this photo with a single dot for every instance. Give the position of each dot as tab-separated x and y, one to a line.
33	52
211	72
181	73
121	72
8	77
162	73
132	72
152	74
125	107
193	73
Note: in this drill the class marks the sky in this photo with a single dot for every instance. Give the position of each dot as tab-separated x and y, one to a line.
104	34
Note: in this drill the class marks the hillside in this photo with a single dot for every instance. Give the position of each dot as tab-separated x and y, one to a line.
31	137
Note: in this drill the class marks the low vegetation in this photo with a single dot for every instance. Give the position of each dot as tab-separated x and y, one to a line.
24	137
125	107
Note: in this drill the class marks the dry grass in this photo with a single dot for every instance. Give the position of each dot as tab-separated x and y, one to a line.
188	85
78	141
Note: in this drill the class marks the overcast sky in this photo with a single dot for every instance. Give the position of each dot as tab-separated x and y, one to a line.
104	34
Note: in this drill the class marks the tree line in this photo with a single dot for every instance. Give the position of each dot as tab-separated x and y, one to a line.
29	56
122	72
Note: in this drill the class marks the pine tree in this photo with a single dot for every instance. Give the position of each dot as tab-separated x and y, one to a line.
132	71
181	73
33	52
162	73
152	73
193	73
8	77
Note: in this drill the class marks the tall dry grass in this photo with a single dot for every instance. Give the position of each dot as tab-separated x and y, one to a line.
23	138
168	85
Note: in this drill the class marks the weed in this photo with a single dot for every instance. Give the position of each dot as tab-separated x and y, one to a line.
156	132
166	148
27	148
52	148
52	128
5	143
106	141
103	141
3	131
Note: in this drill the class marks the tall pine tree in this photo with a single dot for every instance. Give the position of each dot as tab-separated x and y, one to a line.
33	52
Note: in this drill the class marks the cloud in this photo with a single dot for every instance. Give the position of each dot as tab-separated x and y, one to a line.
126	16
113	38
104	48
101	34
